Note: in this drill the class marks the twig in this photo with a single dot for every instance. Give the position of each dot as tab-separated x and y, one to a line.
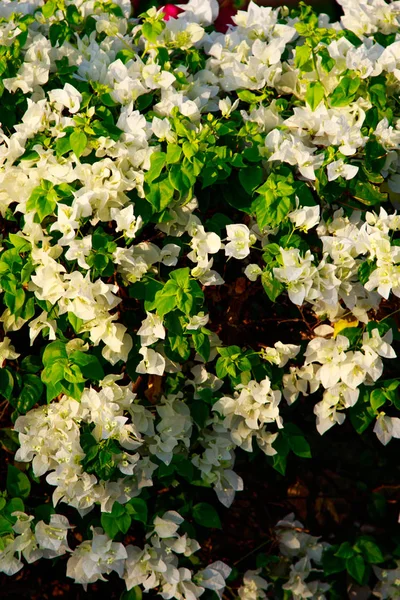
251	552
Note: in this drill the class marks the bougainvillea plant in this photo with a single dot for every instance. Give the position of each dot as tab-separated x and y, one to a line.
146	164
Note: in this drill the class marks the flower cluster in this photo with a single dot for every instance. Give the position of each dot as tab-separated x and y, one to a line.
156	174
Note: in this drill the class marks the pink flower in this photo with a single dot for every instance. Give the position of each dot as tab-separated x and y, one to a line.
171	11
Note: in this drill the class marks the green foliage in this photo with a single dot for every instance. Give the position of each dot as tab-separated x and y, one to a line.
179	292
275	200
231	362
205	514
17	484
315	94
118	520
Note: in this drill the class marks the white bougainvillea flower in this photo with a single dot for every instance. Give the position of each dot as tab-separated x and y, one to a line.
126	220
7	350
53	537
227	107
197	321
240	240
163	130
253	272
199	11
386	428
305	218
151	330
153	362
167	526
68	96
39	324
169	254
214	576
339	168
253	586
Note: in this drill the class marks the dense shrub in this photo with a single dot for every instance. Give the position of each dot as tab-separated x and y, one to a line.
170	197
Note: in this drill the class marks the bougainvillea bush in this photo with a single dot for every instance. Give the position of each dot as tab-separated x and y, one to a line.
152	169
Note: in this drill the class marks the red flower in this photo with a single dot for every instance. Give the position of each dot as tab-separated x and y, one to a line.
225	17
171	11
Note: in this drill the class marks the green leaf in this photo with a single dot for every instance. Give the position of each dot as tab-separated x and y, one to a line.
134	594
189	149
13	505
74	390
89	365
182	277
20	243
6	383
345	550
138	510
271	209
124	522
157	162
327	62
357	568
378	92
43	512
174	323
296	440
225	366
249	97
184	301
366	192
59	32
361	414
78	141
160	194
54	352
73	374
365	270
332	563
54	372
375	156
177	347
377	399
43	200
174	153
151	31
370	551
63	146
315	94
181	179
110	524
201	344
165	303
303	56
30	394
17	483
200	412
279	460
5	526
15	300
251	178
204	514
49	9
272	287
230	351
52	390
73	15
345	92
